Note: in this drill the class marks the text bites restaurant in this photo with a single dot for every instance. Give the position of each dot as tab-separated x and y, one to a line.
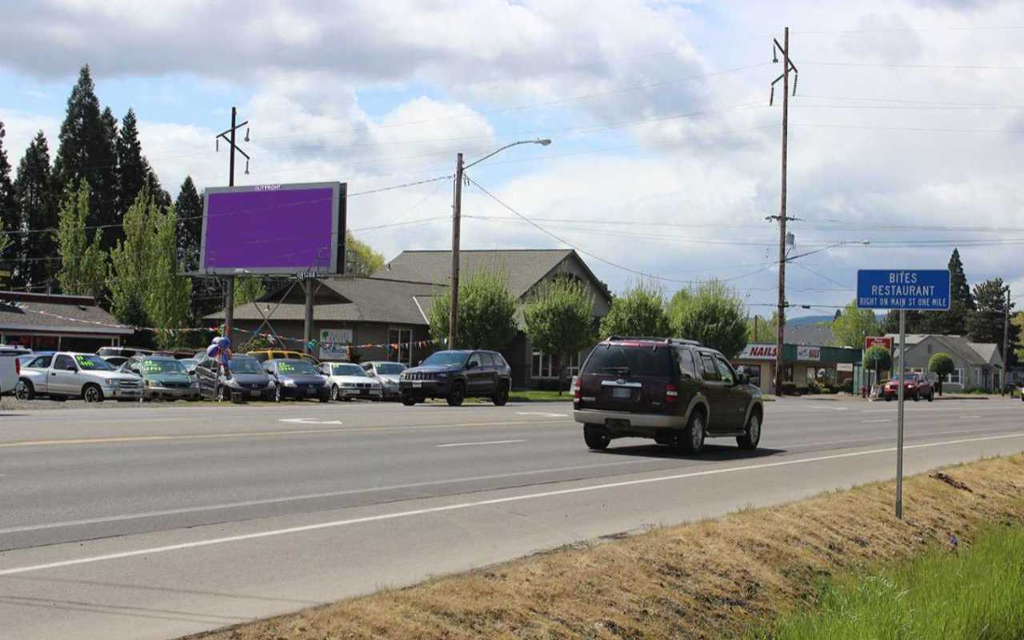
801	364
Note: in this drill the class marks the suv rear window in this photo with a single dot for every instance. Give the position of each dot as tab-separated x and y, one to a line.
617	359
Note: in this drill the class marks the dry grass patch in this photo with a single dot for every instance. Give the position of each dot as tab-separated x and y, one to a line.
704	580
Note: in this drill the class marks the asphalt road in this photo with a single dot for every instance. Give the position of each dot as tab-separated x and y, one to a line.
155	522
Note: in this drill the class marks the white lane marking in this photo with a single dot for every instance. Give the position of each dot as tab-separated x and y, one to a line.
541	413
315	496
970	417
477	444
875	421
309	421
479	503
256	434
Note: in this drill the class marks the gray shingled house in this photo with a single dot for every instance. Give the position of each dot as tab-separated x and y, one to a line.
43	321
389	310
977	365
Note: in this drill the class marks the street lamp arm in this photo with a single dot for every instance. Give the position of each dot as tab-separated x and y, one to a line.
545	142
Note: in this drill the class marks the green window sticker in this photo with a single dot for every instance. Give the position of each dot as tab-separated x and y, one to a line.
285	367
85	362
150	367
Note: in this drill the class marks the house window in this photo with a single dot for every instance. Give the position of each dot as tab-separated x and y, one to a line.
546	366
400	346
956	377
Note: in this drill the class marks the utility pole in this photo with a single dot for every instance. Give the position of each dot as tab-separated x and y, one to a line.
787	65
1006	344
229	281
453	320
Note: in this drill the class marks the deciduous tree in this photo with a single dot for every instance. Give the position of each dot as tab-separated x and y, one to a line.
168	294
487	312
853	325
941	364
877	359
364	260
83	267
712	314
560	320
132	262
640	311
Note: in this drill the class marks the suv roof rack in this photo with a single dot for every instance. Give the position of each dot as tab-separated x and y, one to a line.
679	341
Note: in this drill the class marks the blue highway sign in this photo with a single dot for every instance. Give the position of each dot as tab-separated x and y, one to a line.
910	289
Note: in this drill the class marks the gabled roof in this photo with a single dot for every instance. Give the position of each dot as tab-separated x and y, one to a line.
809	335
346	299
974	353
522	268
51	313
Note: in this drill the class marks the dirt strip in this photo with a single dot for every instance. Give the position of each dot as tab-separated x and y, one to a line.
709	579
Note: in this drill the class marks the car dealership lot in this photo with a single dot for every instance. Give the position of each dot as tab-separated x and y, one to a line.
131	521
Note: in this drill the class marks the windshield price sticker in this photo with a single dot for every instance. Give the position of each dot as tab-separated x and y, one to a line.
85	362
285	367
150	367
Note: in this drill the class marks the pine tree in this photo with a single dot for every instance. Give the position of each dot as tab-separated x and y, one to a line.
34	193
133	168
961	303
915	322
986	321
83	267
189	207
10	218
87	149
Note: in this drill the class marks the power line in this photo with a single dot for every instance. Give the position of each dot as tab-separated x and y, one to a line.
950	67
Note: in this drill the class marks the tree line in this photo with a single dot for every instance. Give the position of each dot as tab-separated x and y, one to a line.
96	221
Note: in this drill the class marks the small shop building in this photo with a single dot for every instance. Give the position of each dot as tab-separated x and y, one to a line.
45	321
801	364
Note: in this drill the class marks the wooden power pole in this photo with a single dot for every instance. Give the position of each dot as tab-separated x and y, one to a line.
453	320
787	66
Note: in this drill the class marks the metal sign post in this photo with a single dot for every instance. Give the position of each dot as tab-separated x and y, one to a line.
899	415
902	289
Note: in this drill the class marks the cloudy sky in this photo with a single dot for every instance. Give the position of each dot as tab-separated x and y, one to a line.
907	129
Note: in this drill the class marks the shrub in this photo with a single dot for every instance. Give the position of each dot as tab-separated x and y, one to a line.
788	389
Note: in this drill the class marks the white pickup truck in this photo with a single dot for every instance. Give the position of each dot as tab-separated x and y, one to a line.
9	369
64	375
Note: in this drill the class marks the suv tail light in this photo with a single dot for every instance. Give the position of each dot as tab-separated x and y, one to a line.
671	394
577	388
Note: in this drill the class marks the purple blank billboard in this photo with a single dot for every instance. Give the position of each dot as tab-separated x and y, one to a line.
285	229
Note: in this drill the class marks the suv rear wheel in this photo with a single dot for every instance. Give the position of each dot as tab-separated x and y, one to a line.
456	395
596	437
750	440
500	397
693	437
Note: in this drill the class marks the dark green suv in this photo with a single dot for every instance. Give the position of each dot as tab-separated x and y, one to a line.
674	391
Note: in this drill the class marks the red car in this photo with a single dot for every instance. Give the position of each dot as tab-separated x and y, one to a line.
917	387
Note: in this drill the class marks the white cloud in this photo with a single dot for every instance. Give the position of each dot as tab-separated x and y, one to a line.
871	147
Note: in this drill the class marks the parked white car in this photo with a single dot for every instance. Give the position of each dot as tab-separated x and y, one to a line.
348	381
63	375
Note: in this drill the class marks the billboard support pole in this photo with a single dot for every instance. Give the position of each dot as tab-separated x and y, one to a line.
307	332
229	281
899	417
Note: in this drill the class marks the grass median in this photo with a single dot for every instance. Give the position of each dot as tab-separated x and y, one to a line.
951	593
711	579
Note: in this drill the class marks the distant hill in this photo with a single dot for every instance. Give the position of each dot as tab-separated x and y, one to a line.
806	320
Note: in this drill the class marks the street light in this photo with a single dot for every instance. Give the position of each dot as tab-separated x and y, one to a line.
453	319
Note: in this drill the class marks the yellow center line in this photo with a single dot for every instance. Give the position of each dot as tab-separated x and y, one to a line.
257	434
